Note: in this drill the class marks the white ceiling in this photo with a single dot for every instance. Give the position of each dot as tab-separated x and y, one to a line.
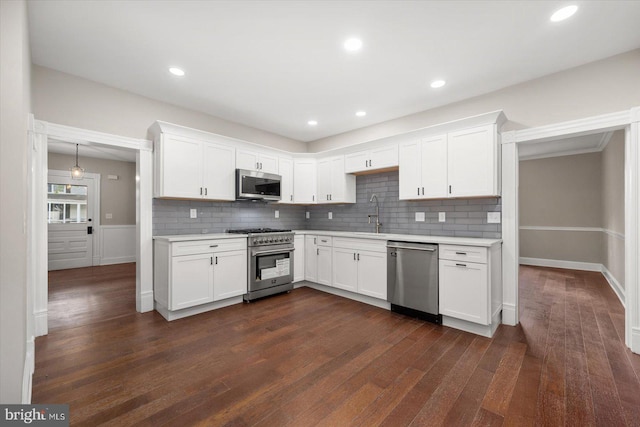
95	151
564	147
274	65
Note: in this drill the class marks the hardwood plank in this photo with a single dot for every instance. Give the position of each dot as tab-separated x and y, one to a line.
310	358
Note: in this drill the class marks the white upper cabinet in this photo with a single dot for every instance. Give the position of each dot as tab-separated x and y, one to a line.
372	160
256	161
473	162
458	164
285	170
423	171
304	181
334	185
191	169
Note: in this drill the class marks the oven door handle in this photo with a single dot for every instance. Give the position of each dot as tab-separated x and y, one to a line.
274	251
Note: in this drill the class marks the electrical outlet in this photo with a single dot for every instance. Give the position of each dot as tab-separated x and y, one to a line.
442	217
307	215
330	215
193	213
493	217
108	216
277	214
420	216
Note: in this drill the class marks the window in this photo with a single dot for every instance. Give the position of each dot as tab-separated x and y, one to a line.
66	203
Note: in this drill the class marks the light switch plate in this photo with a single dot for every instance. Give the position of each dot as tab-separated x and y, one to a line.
193	213
277	214
307	215
442	217
420	216
330	215
108	216
493	217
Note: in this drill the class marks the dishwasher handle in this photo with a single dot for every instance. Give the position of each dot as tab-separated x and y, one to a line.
426	248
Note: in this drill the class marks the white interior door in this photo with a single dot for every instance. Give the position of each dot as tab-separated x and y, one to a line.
71	204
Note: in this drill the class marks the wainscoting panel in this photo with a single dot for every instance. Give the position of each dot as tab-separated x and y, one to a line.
118	244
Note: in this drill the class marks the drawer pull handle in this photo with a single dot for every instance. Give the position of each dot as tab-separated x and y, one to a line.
461	253
461	265
213	246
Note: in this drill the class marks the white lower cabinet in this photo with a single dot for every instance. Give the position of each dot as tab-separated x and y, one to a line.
310	258
317	250
470	285
298	258
360	265
191	273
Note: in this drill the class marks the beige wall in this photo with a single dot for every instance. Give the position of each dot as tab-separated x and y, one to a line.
600	87
585	190
613	206
117	197
69	100
561	191
15	299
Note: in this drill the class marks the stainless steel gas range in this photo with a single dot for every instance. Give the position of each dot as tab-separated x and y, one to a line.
270	261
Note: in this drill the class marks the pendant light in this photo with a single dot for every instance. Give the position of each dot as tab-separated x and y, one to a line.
77	172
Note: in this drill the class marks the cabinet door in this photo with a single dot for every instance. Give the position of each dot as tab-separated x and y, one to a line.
229	274
410	181
180	167
343	186
298	258
324	180
372	274
247	160
304	181
324	265
191	281
383	157
472	162
463	291
433	159
219	172
345	269
356	162
285	169
310	258
268	163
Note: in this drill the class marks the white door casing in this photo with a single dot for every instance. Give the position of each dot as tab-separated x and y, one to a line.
628	120
69	244
41	131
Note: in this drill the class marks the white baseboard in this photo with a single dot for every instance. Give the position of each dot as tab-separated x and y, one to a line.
41	327
555	263
117	260
509	314
474	328
615	285
186	312
147	301
27	376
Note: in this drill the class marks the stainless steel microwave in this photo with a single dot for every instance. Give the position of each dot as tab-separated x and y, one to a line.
253	185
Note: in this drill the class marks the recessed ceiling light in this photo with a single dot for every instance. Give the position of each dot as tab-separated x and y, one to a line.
564	13
176	71
438	83
361	113
312	122
353	44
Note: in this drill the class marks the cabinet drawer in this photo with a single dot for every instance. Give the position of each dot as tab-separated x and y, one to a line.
463	253
207	246
464	291
325	241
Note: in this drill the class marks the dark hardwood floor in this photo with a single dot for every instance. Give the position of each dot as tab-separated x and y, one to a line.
310	358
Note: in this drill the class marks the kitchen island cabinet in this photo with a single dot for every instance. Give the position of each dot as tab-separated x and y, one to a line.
193	276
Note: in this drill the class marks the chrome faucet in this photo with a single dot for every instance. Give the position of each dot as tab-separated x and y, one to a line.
377	215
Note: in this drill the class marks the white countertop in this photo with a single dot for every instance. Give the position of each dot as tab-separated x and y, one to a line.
186	237
443	240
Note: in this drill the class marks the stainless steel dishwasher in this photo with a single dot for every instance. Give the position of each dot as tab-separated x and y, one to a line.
412	279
